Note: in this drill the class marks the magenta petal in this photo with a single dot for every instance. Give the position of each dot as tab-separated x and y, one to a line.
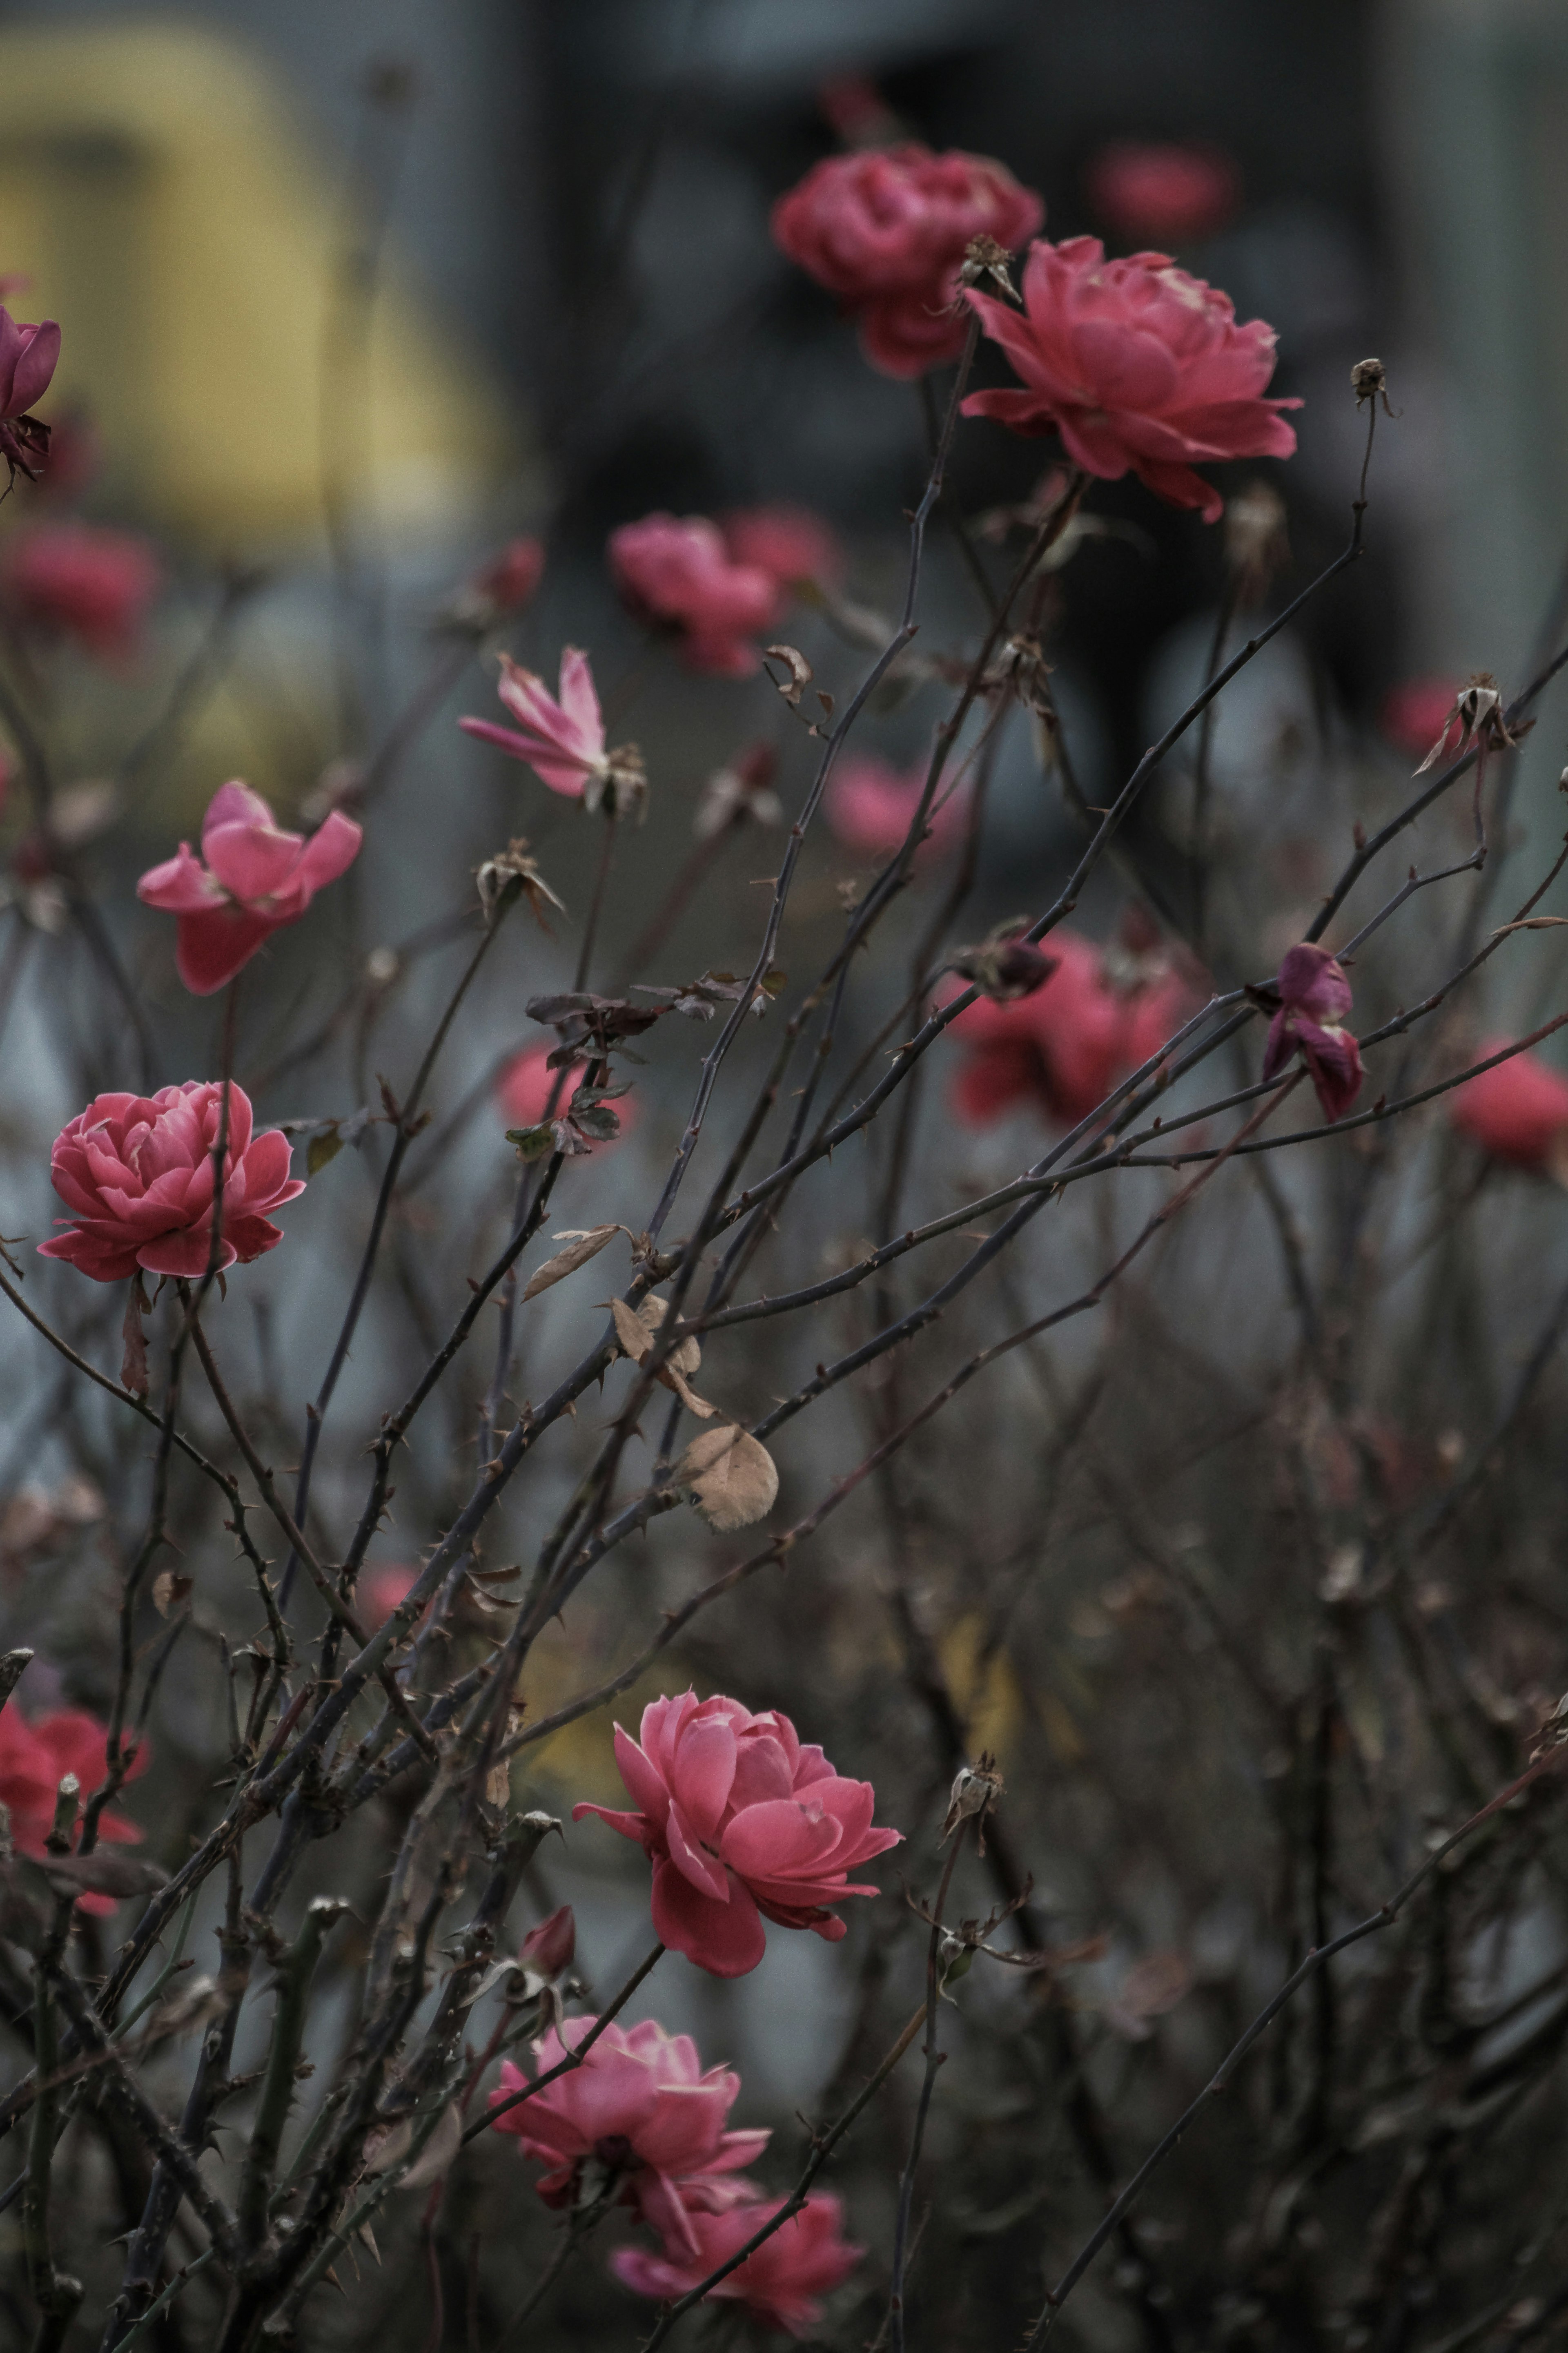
235	804
728	1940
180	885
34	368
210	948
183	1253
331	851
251	862
688	1858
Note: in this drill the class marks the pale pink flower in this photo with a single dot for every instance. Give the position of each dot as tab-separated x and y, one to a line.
1314	993
782	2286
740	1820
639	2102
1138	367
1517	1113
677	569
870	805
71	579
136	1173
887	230
562	740
789	543
250	880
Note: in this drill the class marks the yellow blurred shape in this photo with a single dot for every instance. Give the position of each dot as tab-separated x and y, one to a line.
985	1690
155	187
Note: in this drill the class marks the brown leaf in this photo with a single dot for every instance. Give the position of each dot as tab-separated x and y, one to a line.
632	1333
170	1592
133	1363
687	1355
674	1379
734	1480
580	1249
799	668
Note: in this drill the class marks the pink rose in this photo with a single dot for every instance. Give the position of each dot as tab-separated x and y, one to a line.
782	2286
1517	1113
28	357
887	231
789	543
1314	993
250	880
1157	193
1063	1048
677	569
739	1819
563	739
137	1175
870	805
525	1086
1139	367
549	1950
639	2101
36	1756
69	579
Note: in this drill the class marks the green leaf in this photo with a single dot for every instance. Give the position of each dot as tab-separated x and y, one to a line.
321	1148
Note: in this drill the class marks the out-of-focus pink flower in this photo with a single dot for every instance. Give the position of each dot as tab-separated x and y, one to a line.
677	569
782	2286
1063	1048
549	1950
563	740
1517	1111
379	1592
640	2102
869	806
74	455
72	580
136	1173
740	1820
854	108
524	1089
34	1757
1314	993
887	231
250	880
28	357
1156	192
1420	714
500	587
789	543
1138	367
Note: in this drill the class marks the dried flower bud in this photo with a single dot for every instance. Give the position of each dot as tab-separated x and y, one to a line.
1021	666
1006	965
1369	381
983	257
548	1951
1256	546
976	1792
510	871
618	786
1477	708
741	789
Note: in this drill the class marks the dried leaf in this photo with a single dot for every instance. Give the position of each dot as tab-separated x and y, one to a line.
498	1783
170	1592
323	1148
578	1251
799	668
104	1873
734	1479
632	1333
133	1363
687	1356
674	1379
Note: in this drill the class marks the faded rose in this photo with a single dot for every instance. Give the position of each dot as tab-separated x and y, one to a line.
677	569
782	2286
136	1172
562	738
1517	1113
887	231
1063	1047
1139	367
252	880
740	1822
1314	993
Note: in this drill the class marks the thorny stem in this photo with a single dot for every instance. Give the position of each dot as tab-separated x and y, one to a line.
934	2058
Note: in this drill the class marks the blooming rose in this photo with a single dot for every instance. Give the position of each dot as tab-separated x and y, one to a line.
677	569
525	1086
1157	193
28	357
789	543
250	880
782	2286
888	231
739	1819
641	2102
69	579
1063	1047
562	740
1517	1113
34	1757
869	806
1139	367
1314	993
137	1174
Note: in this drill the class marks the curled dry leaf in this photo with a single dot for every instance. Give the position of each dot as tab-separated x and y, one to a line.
734	1479
635	1328
687	1355
580	1249
632	1333
170	1592
799	668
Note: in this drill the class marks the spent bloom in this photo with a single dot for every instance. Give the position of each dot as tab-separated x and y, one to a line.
641	2104
888	231
28	357
870	805
68	579
251	879
36	1753
1138	367
741	1820
789	543
1156	192
677	569
562	737
1314	996
1063	1047
782	2286
1517	1111
136	1173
